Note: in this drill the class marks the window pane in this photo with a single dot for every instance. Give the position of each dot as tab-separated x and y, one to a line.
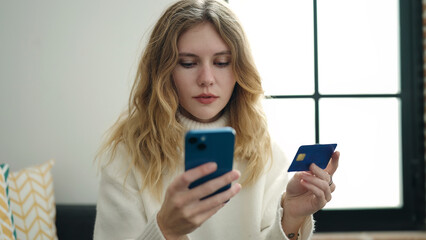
367	132
291	123
281	37
358	46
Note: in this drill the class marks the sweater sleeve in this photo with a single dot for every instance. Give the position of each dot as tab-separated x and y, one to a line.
276	182
120	212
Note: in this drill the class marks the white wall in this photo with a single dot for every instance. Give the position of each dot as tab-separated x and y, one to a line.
66	69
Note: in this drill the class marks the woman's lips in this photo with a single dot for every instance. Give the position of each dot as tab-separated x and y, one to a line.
206	98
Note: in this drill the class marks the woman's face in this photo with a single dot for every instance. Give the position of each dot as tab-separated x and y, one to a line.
203	76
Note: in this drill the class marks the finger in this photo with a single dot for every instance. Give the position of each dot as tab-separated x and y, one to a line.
183	181
213	185
212	202
332	187
199	219
319	185
334	163
224	196
321	200
322	174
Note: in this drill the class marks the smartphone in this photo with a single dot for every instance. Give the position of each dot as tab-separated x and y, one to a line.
210	145
319	154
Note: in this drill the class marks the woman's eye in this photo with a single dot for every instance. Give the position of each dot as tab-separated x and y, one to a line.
222	64
187	64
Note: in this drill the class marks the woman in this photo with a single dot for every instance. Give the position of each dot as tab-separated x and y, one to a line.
197	72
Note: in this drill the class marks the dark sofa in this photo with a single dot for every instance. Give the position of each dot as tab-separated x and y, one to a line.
75	221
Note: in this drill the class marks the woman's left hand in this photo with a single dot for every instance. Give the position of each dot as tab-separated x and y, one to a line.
308	192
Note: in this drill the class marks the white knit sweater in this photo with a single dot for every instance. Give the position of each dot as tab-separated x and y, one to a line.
123	212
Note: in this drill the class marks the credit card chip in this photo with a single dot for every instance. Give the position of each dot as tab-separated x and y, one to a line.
300	157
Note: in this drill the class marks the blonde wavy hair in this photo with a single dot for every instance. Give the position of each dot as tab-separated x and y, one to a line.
150	130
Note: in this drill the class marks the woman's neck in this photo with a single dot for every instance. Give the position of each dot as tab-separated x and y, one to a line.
190	124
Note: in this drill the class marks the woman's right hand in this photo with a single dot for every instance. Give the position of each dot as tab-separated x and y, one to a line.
182	211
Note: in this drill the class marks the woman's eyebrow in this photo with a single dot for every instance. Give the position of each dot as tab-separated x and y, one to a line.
226	52
186	54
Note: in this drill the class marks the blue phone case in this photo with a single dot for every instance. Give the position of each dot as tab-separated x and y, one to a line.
319	154
210	145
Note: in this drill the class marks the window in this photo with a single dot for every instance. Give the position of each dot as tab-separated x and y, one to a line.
348	72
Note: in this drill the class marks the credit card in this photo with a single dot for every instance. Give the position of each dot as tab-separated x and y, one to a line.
319	154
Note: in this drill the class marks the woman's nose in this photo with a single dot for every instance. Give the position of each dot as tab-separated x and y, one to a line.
206	77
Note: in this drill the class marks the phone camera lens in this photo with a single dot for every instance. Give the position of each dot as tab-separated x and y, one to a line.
192	140
201	146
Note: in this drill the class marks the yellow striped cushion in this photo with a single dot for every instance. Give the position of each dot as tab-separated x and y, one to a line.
7	228
33	203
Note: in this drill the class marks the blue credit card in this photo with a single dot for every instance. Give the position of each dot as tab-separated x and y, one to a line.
319	154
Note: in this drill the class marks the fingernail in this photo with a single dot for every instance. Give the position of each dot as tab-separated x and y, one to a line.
304	178
212	165
234	175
